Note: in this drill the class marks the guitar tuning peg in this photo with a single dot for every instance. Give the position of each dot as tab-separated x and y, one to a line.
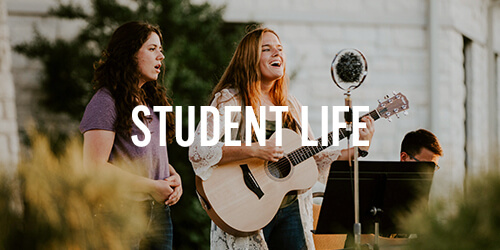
405	112
379	101
397	115
394	92
389	119
386	97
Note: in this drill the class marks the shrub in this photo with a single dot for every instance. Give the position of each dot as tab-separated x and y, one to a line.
53	203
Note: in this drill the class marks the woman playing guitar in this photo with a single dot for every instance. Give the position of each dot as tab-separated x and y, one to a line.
256	77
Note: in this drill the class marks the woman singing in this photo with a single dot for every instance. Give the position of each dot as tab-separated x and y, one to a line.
256	77
125	77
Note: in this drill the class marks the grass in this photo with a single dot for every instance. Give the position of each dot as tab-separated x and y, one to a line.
468	221
52	202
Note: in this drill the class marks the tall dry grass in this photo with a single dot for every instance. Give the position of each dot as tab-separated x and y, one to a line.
52	202
470	220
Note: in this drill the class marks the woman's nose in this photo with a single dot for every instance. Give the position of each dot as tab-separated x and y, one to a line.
161	56
276	52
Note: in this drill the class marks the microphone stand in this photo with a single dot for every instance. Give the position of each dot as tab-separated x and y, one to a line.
357	224
352	62
348	119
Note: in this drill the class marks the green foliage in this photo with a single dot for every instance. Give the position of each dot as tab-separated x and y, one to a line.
470	221
65	81
198	45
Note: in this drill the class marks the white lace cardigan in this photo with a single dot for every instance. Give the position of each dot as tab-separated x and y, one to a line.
205	158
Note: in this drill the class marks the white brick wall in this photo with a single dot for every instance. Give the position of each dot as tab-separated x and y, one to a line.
9	143
496	26
464	20
24	16
468	17
479	111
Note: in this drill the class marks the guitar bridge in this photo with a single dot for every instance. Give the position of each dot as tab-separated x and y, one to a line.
250	181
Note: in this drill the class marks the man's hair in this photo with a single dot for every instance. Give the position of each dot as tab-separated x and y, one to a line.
414	141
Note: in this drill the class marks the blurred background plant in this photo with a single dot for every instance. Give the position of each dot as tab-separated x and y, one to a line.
198	45
469	220
51	202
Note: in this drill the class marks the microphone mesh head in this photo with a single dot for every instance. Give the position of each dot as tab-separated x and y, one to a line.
349	68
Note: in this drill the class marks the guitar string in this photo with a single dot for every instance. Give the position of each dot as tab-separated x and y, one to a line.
303	153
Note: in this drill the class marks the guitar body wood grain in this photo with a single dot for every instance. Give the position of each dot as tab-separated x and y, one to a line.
235	208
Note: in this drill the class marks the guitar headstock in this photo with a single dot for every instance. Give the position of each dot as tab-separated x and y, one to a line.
393	105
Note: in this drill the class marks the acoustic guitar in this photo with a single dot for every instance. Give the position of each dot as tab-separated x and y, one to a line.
242	197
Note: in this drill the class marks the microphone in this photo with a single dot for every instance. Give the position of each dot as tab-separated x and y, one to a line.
349	69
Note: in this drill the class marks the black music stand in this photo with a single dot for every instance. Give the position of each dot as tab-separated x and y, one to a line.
386	190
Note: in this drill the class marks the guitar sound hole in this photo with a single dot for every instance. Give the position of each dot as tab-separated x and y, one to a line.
279	169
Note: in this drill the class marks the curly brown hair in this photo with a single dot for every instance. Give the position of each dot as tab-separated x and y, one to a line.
118	71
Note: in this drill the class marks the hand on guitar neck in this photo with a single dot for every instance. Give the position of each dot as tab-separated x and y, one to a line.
364	134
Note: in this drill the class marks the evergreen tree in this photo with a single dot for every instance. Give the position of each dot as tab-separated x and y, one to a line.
197	44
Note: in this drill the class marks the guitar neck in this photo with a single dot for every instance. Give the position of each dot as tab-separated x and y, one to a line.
305	152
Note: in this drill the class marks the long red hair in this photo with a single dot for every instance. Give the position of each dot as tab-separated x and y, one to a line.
243	74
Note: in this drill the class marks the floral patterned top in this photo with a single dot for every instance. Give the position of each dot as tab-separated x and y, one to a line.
205	158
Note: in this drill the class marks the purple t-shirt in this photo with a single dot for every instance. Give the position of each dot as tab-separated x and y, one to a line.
151	159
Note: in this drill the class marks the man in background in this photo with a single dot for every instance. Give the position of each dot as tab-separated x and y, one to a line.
421	145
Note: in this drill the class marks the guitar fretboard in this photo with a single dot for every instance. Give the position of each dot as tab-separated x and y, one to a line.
305	152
